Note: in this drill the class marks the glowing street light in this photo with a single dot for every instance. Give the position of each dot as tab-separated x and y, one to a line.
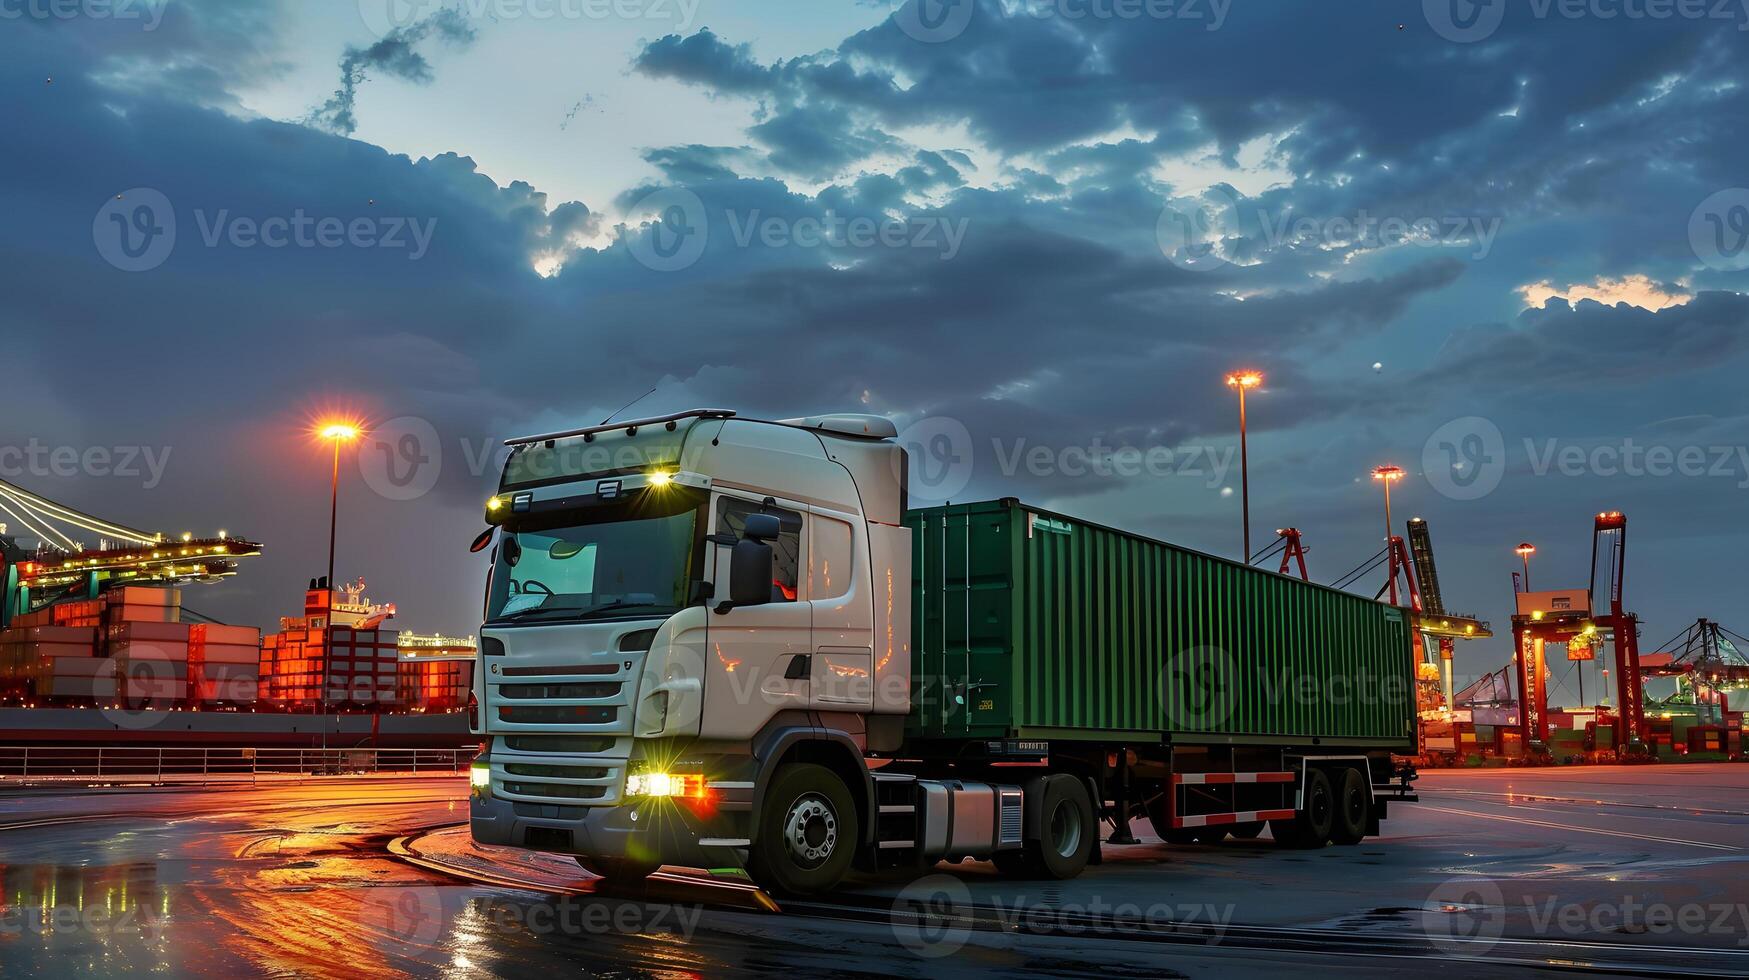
1525	549
1239	382
337	433
1388	475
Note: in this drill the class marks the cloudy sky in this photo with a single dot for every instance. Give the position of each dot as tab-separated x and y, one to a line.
1501	245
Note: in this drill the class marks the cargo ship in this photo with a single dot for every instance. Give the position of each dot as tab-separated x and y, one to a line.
128	667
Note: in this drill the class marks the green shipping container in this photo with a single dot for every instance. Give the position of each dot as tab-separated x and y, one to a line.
1030	624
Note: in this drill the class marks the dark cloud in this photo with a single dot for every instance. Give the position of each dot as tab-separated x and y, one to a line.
1049	320
396	55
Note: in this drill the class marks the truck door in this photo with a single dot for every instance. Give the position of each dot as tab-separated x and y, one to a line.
756	662
838	590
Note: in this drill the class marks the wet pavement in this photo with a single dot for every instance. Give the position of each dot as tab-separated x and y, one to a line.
343	876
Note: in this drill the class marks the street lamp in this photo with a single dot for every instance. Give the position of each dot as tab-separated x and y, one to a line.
337	433
1240	382
1388	475
1525	549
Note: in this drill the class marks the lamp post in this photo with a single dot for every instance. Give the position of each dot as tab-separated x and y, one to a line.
1388	475
1240	382
1525	549
337	433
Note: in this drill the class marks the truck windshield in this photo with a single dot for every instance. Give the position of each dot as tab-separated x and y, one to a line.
609	569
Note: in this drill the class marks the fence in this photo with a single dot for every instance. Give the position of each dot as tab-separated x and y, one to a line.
130	764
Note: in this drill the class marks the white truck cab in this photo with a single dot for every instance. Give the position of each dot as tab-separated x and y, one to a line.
634	703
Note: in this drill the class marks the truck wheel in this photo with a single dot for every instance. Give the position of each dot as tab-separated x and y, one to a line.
808	831
1352	806
617	871
1312	825
1067	834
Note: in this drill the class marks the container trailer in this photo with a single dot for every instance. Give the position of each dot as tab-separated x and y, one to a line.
717	641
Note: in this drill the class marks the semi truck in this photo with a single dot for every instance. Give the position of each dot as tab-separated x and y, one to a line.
724	642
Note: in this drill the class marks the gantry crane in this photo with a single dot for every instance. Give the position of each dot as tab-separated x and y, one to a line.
63	567
1568	617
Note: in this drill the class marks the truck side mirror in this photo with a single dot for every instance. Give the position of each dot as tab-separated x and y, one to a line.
750	571
762	527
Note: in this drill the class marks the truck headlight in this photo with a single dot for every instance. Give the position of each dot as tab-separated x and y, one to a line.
480	780
670	784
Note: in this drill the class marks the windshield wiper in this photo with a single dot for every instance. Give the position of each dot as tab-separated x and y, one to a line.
536	610
611	606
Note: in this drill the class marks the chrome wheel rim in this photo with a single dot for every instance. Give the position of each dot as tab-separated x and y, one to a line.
810	831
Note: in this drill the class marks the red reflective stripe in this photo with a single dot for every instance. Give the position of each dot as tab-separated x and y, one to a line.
1224	778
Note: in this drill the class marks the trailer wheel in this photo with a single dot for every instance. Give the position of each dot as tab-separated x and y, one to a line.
808	831
1353	803
1312	825
1068	833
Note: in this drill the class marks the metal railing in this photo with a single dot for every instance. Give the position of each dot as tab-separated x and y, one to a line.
144	764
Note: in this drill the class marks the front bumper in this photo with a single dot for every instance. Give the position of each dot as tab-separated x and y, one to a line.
709	833
645	831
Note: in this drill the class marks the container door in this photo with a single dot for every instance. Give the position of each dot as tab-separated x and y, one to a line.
965	650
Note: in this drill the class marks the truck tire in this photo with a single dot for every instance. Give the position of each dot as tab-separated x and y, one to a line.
618	872
1353	804
1068	833
1311	826
808	831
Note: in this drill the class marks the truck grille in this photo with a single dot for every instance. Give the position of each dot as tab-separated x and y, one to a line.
564	791
558	692
570	714
565	744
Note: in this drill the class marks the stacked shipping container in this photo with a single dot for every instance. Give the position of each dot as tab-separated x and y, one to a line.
129	646
224	664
